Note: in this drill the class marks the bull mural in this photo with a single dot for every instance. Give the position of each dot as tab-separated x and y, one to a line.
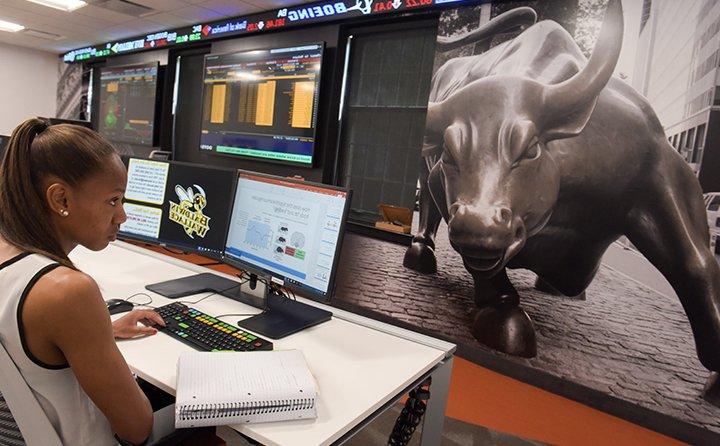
538	158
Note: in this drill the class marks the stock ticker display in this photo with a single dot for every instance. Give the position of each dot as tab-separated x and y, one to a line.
262	104
318	12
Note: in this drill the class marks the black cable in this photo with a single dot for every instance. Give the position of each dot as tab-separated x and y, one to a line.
186	302
140	304
411	414
147	304
239	314
209	264
249	277
239	284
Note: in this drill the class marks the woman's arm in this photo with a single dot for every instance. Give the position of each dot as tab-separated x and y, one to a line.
65	317
127	326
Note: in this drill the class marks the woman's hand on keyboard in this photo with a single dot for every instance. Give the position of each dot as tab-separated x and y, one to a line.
127	326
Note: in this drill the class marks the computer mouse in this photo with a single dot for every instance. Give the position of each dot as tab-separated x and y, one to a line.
116	306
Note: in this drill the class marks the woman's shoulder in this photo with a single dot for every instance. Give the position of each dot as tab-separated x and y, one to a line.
66	289
65	304
64	280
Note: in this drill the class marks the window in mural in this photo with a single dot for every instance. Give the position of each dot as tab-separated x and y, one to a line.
388	83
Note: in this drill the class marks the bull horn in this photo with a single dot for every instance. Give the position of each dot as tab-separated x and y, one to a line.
585	86
505	22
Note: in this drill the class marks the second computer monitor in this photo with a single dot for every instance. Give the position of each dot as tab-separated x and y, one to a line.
56	121
127	103
289	230
179	205
3	144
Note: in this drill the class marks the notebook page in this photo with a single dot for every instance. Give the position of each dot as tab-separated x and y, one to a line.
250	378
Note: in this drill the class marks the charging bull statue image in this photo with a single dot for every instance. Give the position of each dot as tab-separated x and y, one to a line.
538	158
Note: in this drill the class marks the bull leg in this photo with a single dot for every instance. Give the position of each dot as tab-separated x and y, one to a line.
711	392
575	268
674	237
420	255
499	322
544	286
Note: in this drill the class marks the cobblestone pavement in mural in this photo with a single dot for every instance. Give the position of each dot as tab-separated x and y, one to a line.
625	339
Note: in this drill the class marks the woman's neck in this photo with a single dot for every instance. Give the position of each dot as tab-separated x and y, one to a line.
7	249
67	246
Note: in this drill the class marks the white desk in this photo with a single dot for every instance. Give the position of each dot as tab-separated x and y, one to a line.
361	365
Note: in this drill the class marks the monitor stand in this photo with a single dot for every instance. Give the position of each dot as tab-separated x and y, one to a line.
280	317
206	282
283	317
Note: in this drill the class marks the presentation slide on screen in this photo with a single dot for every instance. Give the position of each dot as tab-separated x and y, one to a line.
142	220
291	232
146	181
276	228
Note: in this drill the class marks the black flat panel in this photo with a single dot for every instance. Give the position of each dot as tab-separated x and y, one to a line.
188	114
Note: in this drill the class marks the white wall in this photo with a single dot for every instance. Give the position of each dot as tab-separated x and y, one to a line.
28	83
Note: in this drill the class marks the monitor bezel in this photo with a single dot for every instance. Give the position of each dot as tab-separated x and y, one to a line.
58	121
4	141
303	290
168	244
153	138
309	165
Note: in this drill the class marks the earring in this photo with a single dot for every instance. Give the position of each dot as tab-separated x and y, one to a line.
64	213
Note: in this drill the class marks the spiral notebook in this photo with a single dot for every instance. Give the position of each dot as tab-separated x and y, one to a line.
219	388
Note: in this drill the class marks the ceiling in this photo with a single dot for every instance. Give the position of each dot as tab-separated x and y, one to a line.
99	21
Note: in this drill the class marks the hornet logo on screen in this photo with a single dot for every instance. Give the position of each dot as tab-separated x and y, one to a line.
189	212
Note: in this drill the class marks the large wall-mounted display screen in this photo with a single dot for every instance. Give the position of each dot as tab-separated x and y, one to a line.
262	104
127	103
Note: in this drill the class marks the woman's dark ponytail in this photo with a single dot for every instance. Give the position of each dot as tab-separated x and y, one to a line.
36	150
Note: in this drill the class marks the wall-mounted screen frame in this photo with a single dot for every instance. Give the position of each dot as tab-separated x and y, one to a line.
128	103
263	104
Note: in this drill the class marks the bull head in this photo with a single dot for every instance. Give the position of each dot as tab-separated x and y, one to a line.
496	183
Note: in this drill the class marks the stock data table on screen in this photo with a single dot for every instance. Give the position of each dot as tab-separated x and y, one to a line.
263	103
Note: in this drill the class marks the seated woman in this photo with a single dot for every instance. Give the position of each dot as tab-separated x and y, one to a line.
63	186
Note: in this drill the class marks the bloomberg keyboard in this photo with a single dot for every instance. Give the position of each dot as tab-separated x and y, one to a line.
204	332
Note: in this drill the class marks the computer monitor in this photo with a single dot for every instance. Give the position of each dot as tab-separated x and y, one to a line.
290	233
262	104
127	103
3	144
180	205
288	230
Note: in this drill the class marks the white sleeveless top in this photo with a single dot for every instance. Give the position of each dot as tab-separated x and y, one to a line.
71	412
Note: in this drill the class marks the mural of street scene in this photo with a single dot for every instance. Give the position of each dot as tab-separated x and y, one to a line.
627	336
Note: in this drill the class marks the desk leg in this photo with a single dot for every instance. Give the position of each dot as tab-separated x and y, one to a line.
434	419
231	437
